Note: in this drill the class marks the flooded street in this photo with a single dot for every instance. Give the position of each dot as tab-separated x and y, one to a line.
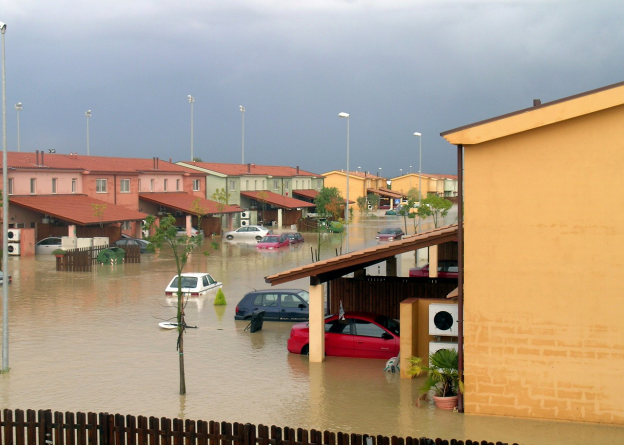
91	342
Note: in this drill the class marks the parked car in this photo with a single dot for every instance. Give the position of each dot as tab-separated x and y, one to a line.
193	284
279	305
358	334
294	237
447	269
182	231
390	234
273	241
247	233
47	245
143	244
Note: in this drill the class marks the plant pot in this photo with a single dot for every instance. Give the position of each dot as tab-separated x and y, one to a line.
445	402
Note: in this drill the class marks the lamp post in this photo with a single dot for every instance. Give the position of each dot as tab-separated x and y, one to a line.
242	109
88	115
5	220
191	100
346	115
419	173
18	107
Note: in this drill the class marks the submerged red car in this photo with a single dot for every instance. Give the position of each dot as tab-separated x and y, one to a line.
447	269
390	234
357	334
273	241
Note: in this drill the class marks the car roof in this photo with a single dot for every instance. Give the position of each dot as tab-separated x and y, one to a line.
358	314
192	275
277	290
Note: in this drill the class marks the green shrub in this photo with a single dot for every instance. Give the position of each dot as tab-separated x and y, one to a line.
220	298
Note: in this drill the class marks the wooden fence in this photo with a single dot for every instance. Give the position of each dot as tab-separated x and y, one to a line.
83	259
45	427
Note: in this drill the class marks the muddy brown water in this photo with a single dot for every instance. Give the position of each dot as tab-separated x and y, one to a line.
91	342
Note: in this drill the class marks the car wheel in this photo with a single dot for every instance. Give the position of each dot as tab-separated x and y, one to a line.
305	350
258	238
229	237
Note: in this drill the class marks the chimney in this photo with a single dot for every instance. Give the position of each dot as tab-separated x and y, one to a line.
297	170
249	168
37	159
42	158
536	102
157	160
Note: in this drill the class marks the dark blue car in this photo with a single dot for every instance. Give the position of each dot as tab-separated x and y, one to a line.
278	305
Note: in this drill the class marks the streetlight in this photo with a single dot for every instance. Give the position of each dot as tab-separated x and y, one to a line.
401	172
191	99
18	107
5	219
242	109
346	115
88	115
419	173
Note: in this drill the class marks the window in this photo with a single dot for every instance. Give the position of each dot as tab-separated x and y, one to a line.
101	185
151	185
232	184
365	328
255	184
297	184
124	186
54	184
196	185
10	186
275	184
266	300
262	184
286	184
33	185
74	181
246	184
165	185
126	225
177	184
290	301
338	326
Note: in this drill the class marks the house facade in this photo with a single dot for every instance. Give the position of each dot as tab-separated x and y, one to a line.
360	185
542	288
438	184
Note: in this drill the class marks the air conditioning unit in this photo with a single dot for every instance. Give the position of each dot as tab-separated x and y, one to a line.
84	242
244	222
101	241
68	242
434	346
443	320
14	249
246	215
14	235
370	207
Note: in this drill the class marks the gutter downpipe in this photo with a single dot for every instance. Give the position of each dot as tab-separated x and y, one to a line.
460	265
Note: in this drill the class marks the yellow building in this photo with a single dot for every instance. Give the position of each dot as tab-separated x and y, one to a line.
543	260
438	184
360	184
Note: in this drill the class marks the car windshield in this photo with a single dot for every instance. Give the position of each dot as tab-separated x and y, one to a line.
304	295
187	282
388	231
389	324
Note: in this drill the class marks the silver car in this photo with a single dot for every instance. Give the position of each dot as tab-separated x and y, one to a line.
47	245
250	232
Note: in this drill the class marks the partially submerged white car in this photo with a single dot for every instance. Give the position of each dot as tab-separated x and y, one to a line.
193	284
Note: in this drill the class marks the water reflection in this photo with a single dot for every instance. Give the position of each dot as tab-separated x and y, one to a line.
91	342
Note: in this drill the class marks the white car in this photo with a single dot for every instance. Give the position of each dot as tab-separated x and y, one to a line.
47	245
251	232
193	284
182	231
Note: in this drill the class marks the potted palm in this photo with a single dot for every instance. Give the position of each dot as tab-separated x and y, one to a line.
442	377
58	252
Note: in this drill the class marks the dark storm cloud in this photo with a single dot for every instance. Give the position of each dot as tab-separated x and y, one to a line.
397	67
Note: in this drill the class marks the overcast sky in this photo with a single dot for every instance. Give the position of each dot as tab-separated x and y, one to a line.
396	66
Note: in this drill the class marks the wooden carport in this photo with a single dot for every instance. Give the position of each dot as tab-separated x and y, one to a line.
354	262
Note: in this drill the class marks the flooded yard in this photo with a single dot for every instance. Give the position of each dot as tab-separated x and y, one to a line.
91	342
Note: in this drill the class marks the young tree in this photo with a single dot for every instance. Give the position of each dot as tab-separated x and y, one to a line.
373	200
328	200
221	197
98	211
362	204
405	211
262	197
165	234
434	206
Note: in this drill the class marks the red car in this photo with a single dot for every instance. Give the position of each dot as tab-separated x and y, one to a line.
273	241
357	334
390	234
447	269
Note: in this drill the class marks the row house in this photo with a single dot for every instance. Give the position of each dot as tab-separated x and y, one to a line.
361	184
83	196
278	195
432	184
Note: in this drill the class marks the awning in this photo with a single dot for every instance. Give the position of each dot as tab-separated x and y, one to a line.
347	263
184	202
76	209
307	193
277	200
385	193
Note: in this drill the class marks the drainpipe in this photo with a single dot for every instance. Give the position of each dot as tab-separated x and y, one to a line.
460	265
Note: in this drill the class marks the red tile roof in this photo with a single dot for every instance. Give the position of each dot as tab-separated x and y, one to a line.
29	160
385	192
308	193
76	209
253	169
355	174
280	201
184	202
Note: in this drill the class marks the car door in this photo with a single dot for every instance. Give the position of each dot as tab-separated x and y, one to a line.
293	308
372	341
269	302
338	338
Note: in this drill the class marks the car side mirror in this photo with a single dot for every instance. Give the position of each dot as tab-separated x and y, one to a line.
386	336
302	306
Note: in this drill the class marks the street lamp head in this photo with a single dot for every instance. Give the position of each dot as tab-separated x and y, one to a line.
191	99
343	115
88	113
18	106
417	134
241	108
2	27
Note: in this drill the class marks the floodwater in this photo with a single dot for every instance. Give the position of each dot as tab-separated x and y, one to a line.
91	342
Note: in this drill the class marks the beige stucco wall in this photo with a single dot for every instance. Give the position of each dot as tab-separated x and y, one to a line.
544	239
339	180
